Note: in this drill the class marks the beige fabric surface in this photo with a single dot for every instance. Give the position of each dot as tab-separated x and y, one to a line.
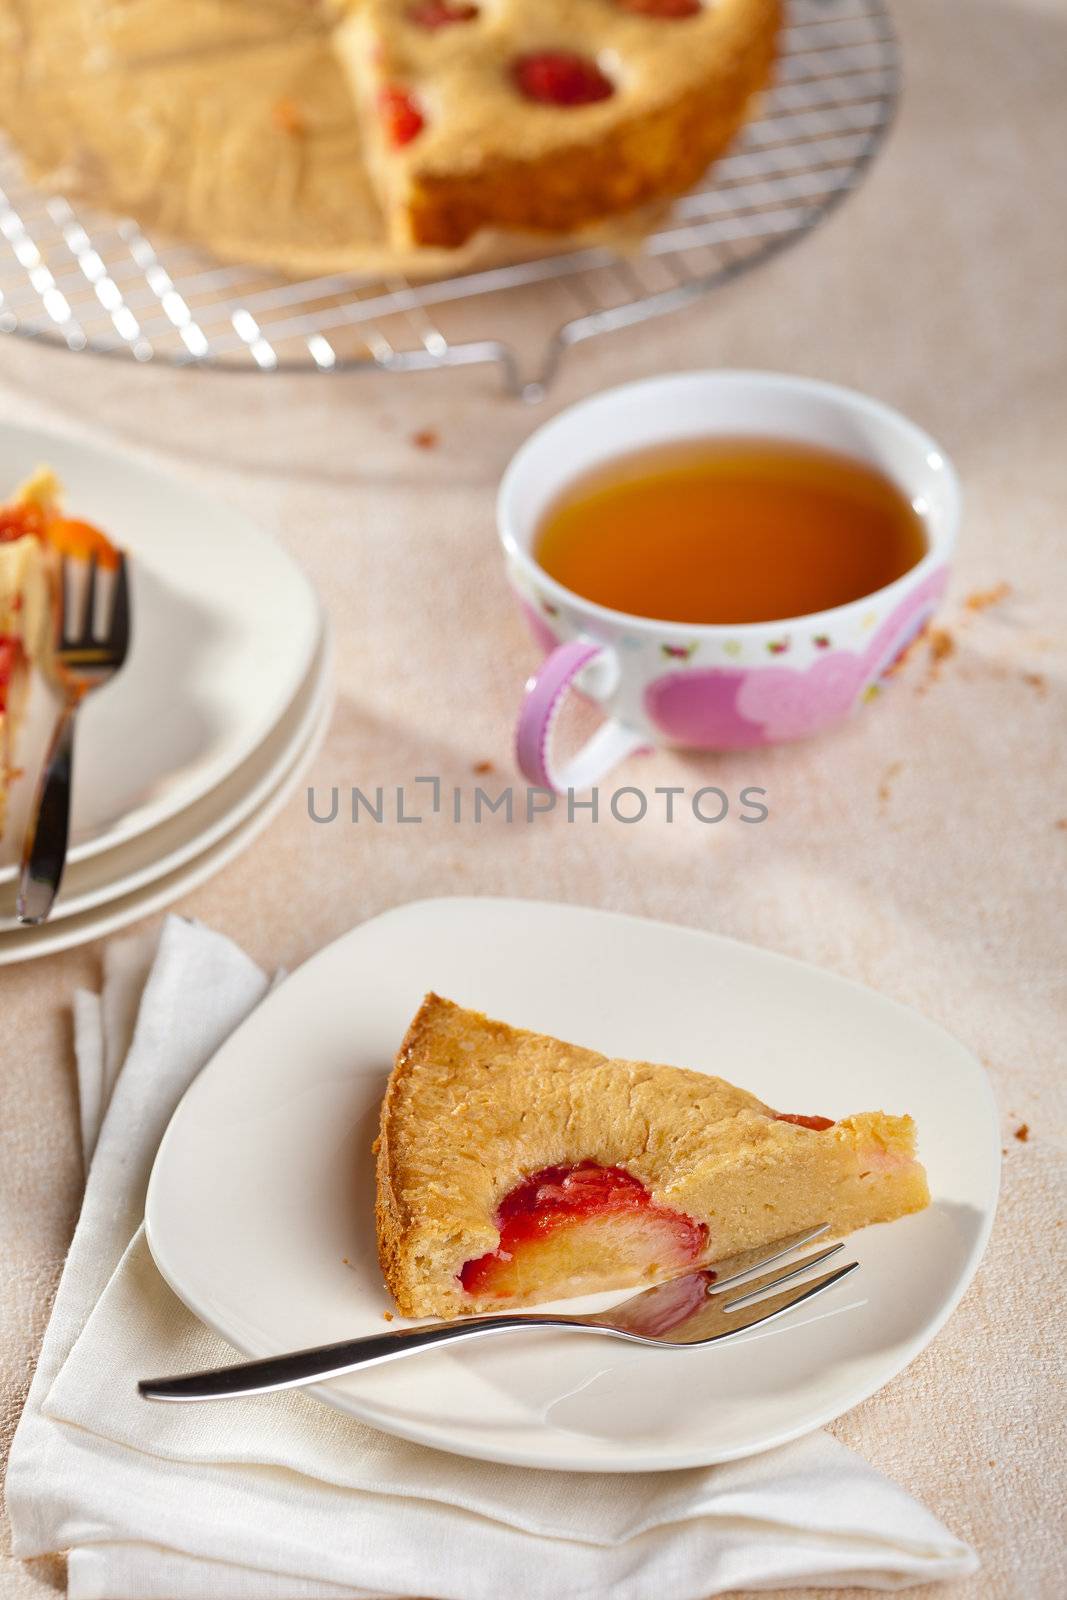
921	849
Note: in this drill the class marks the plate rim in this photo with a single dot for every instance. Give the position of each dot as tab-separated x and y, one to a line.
153	897
440	1437
313	692
143	818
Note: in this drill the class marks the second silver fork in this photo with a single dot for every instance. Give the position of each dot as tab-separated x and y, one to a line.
78	661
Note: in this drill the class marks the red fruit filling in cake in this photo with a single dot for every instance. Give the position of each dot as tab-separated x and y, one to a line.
434	14
561	78
401	116
667	9
9	649
19	519
819	1124
69	535
570	1226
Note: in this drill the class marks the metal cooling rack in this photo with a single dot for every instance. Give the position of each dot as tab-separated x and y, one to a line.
81	278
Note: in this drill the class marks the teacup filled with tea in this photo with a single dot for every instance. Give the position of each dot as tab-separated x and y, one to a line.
723	560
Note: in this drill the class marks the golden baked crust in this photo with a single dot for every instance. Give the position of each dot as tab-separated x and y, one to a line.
474	1106
486	156
234	123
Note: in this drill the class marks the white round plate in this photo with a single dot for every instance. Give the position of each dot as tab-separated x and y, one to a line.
224	626
152	855
260	1207
287	769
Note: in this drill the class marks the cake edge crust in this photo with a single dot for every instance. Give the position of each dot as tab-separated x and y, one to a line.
392	1218
653	156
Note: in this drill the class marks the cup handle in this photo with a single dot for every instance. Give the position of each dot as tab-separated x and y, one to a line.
545	693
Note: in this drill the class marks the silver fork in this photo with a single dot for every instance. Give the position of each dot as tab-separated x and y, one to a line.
78	662
685	1312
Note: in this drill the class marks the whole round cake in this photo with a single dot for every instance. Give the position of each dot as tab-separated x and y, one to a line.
364	135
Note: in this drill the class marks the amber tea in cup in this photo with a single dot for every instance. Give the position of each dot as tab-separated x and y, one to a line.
729	530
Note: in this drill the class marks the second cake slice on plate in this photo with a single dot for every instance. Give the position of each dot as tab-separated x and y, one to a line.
514	1168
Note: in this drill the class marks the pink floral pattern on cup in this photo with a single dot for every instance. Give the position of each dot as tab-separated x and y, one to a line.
790	704
699	709
736	709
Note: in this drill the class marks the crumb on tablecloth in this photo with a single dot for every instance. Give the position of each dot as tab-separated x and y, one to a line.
885	788
942	644
482	767
1022	1132
982	599
426	439
904	656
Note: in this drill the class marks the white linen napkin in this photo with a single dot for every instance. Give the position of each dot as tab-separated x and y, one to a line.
282	1498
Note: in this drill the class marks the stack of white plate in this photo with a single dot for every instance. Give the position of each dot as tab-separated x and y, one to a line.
204	734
